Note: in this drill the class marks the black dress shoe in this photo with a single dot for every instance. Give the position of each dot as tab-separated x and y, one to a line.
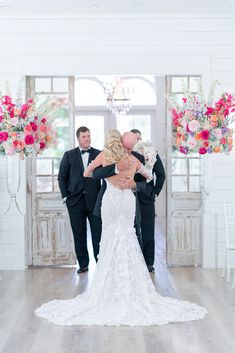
151	268
82	269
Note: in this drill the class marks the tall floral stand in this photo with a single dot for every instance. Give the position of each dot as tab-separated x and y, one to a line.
13	183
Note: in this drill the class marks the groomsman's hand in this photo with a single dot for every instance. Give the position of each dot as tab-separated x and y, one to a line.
125	183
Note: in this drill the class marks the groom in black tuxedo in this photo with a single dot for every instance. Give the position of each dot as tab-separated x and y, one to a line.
79	194
147	208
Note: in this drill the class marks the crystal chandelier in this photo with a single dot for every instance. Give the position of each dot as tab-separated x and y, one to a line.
118	96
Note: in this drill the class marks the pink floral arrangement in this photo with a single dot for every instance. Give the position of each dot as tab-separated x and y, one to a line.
200	127
23	128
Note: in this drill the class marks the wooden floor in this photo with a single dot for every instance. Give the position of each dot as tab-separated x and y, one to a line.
22	332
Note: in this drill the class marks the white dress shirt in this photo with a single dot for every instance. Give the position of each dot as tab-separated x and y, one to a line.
85	157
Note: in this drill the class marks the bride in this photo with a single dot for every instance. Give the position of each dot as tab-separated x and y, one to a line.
122	292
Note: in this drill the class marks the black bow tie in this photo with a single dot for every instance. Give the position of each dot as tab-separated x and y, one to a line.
85	151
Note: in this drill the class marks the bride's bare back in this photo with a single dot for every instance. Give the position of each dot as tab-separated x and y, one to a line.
123	174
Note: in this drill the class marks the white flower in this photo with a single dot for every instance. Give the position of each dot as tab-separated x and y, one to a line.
191	142
193	125
217	133
148	151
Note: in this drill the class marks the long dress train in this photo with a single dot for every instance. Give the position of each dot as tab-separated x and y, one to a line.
122	292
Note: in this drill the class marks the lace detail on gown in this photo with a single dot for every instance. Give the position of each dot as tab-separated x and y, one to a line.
122	292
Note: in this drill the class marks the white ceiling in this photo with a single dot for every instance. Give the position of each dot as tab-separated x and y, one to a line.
117	7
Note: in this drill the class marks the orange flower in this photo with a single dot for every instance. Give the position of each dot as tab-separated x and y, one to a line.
214	118
198	136
14	134
42	128
221	117
178	141
217	149
48	138
17	111
21	145
230	141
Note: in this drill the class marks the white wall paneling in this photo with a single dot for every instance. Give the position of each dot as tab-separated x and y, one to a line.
121	45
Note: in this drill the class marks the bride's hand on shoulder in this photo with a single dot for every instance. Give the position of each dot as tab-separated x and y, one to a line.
97	162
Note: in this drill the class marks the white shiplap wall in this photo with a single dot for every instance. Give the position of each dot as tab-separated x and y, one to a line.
119	45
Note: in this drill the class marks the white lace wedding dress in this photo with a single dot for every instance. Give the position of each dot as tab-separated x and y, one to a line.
122	292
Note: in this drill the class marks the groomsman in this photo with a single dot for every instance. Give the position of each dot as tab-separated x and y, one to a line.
147	209
80	195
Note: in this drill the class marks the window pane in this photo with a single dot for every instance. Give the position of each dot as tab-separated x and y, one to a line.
60	84
44	166
88	92
59	119
194	184
180	98
193	84
141	122
44	184
179	183
179	166
194	166
95	124
43	84
177	83
143	93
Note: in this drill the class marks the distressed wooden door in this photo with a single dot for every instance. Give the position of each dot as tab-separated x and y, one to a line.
50	240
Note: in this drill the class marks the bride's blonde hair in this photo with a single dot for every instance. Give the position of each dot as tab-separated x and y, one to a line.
113	147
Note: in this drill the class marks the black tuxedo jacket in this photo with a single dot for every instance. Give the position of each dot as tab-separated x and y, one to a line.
72	182
153	187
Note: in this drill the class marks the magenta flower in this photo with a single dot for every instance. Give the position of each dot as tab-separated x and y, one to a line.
3	136
34	126
202	150
205	134
29	140
42	145
184	149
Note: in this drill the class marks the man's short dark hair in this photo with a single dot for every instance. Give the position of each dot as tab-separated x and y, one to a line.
136	131
81	129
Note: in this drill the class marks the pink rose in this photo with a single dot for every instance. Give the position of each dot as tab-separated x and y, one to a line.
34	126
44	120
223	141
42	145
42	128
29	140
3	136
202	150
28	128
209	111
205	134
24	108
